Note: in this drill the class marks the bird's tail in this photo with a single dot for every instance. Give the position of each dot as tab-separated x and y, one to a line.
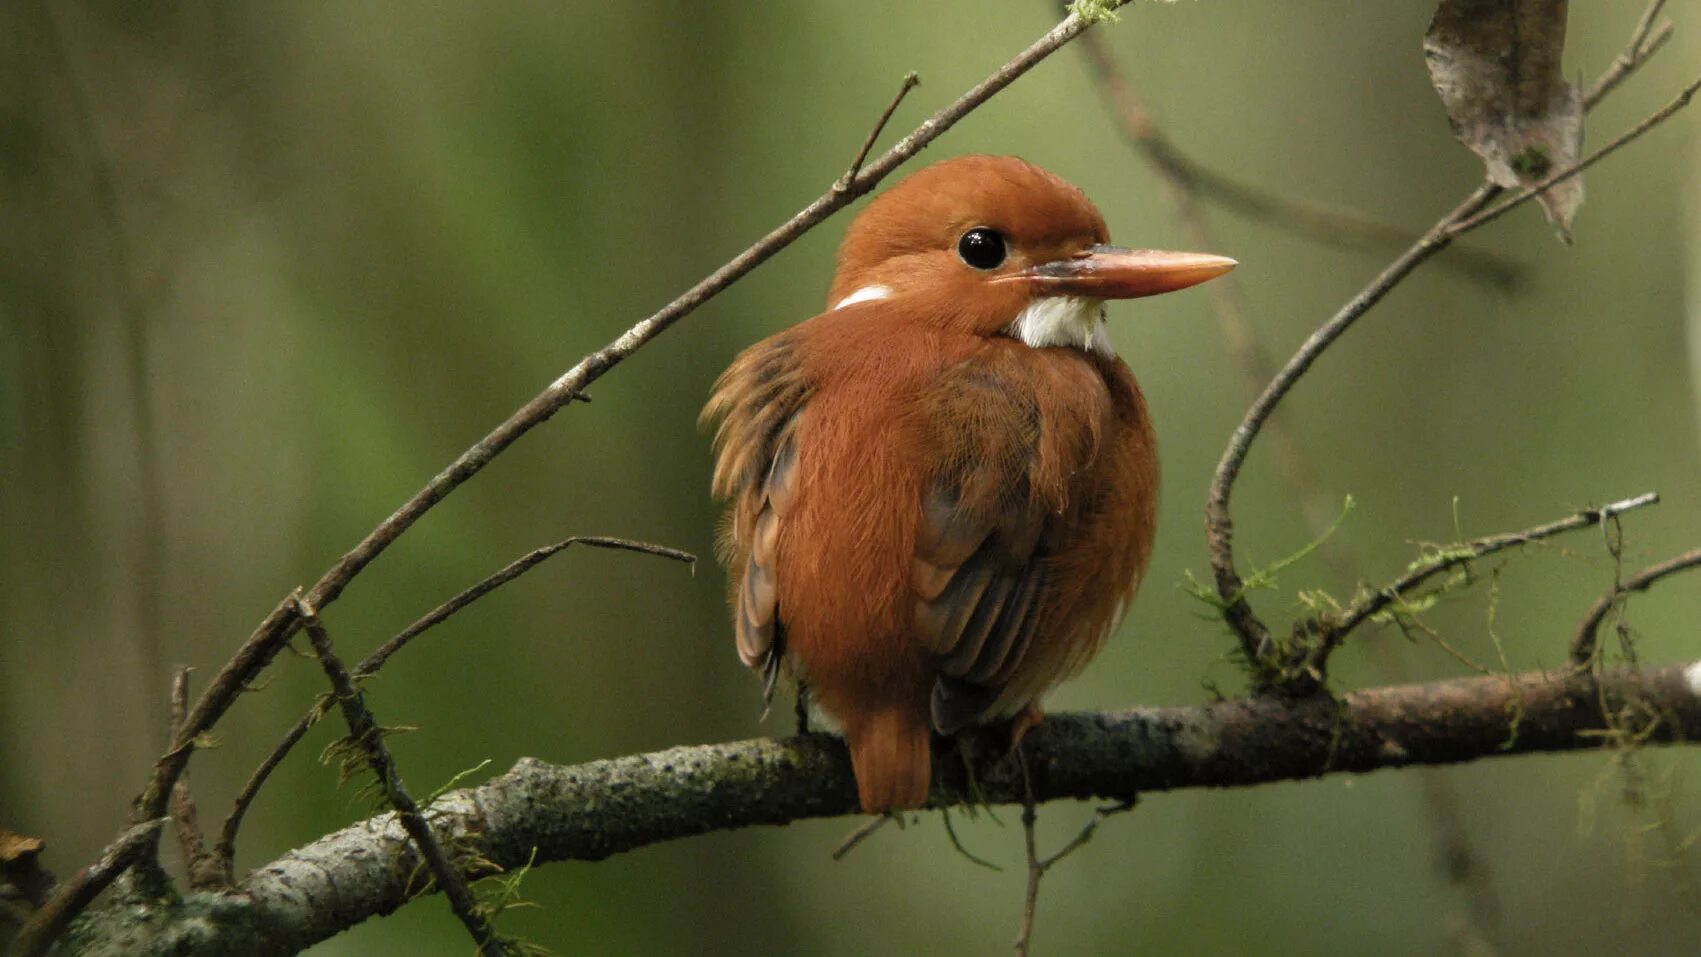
892	758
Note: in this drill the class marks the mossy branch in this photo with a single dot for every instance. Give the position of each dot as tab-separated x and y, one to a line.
542	812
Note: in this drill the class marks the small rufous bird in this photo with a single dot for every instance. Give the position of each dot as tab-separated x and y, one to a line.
943	489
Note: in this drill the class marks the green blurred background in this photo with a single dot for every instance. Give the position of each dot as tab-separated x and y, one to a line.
265	269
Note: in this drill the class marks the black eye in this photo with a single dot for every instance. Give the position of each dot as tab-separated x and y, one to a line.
981	248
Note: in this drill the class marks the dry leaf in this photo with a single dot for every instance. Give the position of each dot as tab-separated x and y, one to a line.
1496	64
15	847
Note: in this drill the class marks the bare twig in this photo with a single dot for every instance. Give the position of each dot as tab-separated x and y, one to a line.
912	80
1645	41
45	925
1342	228
365	733
1036	870
1452	556
1583	643
1254	636
862	833
372	662
1252	633
1037	866
183	815
957	843
224	849
277	627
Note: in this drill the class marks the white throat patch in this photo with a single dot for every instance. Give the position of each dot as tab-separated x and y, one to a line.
1074	321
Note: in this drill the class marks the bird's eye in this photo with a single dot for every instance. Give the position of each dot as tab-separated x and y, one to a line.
981	248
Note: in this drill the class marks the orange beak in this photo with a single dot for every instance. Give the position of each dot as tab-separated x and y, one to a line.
1111	272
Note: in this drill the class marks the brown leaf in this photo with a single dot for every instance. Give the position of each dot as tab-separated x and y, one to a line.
15	846
1496	64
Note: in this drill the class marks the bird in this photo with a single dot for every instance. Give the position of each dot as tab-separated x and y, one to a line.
942	491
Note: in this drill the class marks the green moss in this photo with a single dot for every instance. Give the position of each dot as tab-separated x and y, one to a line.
1532	163
1096	11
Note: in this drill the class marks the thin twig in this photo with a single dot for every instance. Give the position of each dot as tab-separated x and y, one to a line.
1254	636
912	80
957	842
1036	870
276	629
1342	228
184	819
1525	195
1038	866
372	662
1635	53
365	733
45	925
1100	814
1583	643
863	832
1452	556
224	850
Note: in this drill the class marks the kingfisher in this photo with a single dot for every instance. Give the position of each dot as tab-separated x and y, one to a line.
942	491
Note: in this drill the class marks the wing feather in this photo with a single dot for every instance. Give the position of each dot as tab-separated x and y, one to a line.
979	568
756	403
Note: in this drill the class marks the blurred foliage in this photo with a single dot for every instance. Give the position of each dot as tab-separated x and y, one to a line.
266	268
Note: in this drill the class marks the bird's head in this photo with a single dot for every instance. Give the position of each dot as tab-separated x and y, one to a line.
993	245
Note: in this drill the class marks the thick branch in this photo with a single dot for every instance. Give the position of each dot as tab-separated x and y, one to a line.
76	894
592	811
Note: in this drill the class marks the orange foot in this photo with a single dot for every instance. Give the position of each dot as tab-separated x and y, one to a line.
1025	720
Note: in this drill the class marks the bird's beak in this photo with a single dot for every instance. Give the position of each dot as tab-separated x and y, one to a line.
1111	272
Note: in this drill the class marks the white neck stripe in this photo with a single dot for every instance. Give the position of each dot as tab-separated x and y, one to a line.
865	294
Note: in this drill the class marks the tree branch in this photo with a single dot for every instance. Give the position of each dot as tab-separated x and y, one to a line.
1645	41
1583	643
1331	630
1252	633
77	893
591	811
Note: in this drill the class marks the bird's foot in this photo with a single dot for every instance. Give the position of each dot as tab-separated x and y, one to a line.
874	823
977	801
801	707
1025	720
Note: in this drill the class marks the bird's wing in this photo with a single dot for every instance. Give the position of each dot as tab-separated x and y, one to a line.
980	570
757	402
